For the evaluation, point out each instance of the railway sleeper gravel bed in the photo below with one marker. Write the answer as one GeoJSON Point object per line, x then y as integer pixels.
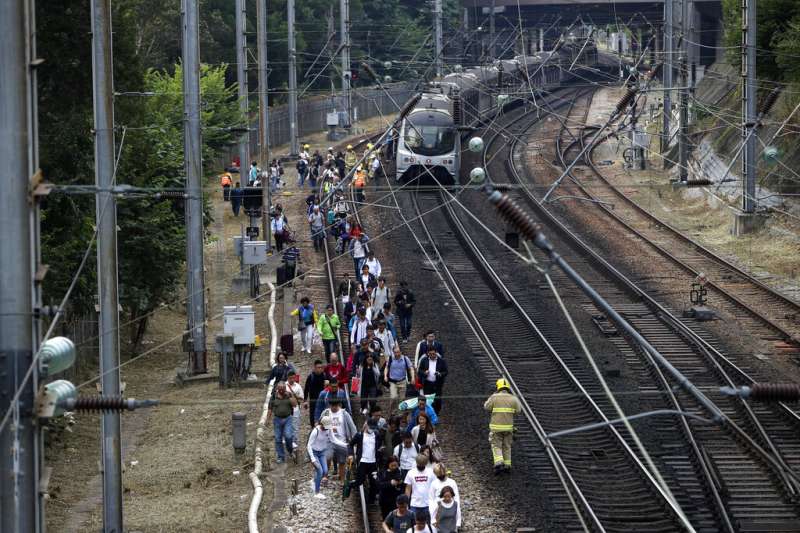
{"type": "Point", "coordinates": [781, 508]}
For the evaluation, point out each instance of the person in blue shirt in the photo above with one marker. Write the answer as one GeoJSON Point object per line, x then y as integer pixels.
{"type": "Point", "coordinates": [253, 176]}
{"type": "Point", "coordinates": [412, 419]}
{"type": "Point", "coordinates": [331, 391]}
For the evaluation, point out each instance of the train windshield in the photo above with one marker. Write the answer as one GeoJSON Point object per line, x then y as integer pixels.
{"type": "Point", "coordinates": [430, 140]}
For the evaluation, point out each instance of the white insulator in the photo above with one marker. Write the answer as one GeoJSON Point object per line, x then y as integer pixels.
{"type": "Point", "coordinates": [477, 175]}
{"type": "Point", "coordinates": [476, 144]}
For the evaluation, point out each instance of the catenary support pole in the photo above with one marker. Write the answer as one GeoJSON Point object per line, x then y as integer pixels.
{"type": "Point", "coordinates": [749, 105]}
{"type": "Point", "coordinates": [492, 48]}
{"type": "Point", "coordinates": [19, 440]}
{"type": "Point", "coordinates": [107, 287]}
{"type": "Point", "coordinates": [683, 117]}
{"type": "Point", "coordinates": [263, 116]}
{"type": "Point", "coordinates": [294, 145]}
{"type": "Point", "coordinates": [344, 14]}
{"type": "Point", "coordinates": [668, 71]}
{"type": "Point", "coordinates": [437, 23]}
{"type": "Point", "coordinates": [241, 79]}
{"type": "Point", "coordinates": [193, 162]}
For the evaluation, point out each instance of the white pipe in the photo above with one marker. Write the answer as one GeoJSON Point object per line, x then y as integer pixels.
{"type": "Point", "coordinates": [258, 465]}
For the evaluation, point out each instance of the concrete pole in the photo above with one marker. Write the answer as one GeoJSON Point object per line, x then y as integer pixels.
{"type": "Point", "coordinates": [541, 39]}
{"type": "Point", "coordinates": [668, 70]}
{"type": "Point", "coordinates": [107, 288]}
{"type": "Point", "coordinates": [749, 105]}
{"type": "Point", "coordinates": [437, 26]}
{"type": "Point", "coordinates": [263, 116]}
{"type": "Point", "coordinates": [19, 443]}
{"type": "Point", "coordinates": [294, 147]}
{"type": "Point", "coordinates": [193, 162]}
{"type": "Point", "coordinates": [241, 79]}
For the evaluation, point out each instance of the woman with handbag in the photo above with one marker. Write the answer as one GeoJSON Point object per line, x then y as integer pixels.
{"type": "Point", "coordinates": [280, 229]}
{"type": "Point", "coordinates": [424, 434]}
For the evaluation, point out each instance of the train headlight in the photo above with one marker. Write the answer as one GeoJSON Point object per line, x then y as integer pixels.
{"type": "Point", "coordinates": [476, 144]}
{"type": "Point", "coordinates": [477, 175]}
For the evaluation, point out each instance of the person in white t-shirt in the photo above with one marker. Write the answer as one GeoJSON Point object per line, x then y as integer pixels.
{"type": "Point", "coordinates": [295, 388]}
{"type": "Point", "coordinates": [418, 485]}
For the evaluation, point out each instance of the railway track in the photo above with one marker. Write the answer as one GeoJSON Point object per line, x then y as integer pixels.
{"type": "Point", "coordinates": [720, 477]}
{"type": "Point", "coordinates": [541, 374]}
{"type": "Point", "coordinates": [744, 488]}
{"type": "Point", "coordinates": [761, 310]}
{"type": "Point", "coordinates": [369, 515]}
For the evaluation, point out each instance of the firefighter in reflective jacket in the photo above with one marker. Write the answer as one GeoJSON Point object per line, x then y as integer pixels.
{"type": "Point", "coordinates": [350, 157]}
{"type": "Point", "coordinates": [503, 405]}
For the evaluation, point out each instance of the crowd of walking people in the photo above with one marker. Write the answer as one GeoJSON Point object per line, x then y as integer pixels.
{"type": "Point", "coordinates": [374, 400]}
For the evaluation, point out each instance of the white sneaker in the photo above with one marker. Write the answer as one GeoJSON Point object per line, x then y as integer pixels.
{"type": "Point", "coordinates": [320, 496]}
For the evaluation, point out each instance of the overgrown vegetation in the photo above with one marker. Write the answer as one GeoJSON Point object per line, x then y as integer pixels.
{"type": "Point", "coordinates": [777, 36]}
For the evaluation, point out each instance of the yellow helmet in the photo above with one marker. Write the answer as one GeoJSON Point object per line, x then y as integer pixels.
{"type": "Point", "coordinates": [369, 146]}
{"type": "Point", "coordinates": [349, 146]}
{"type": "Point", "coordinates": [503, 384]}
{"type": "Point", "coordinates": [306, 146]}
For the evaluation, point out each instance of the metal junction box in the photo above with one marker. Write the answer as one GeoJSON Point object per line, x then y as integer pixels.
{"type": "Point", "coordinates": [239, 321]}
{"type": "Point", "coordinates": [255, 252]}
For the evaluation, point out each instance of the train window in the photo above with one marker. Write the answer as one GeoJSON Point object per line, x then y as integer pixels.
{"type": "Point", "coordinates": [430, 140]}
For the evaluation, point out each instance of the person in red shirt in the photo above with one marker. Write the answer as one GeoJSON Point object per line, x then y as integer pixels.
{"type": "Point", "coordinates": [336, 370]}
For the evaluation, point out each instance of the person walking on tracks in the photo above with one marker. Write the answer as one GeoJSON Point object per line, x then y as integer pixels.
{"type": "Point", "coordinates": [503, 405]}
{"type": "Point", "coordinates": [404, 303]}
{"type": "Point", "coordinates": [327, 325]}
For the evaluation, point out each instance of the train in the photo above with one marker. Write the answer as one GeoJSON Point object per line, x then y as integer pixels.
{"type": "Point", "coordinates": [428, 139]}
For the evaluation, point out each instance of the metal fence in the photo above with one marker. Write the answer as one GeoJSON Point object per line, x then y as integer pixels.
{"type": "Point", "coordinates": [312, 113]}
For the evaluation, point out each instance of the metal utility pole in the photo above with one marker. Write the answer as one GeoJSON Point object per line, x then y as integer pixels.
{"type": "Point", "coordinates": [241, 79]}
{"type": "Point", "coordinates": [437, 17]}
{"type": "Point", "coordinates": [683, 118]}
{"type": "Point", "coordinates": [492, 48]}
{"type": "Point", "coordinates": [263, 117]}
{"type": "Point", "coordinates": [193, 162]}
{"type": "Point", "coordinates": [107, 288]}
{"type": "Point", "coordinates": [20, 458]}
{"type": "Point", "coordinates": [294, 147]}
{"type": "Point", "coordinates": [749, 105]}
{"type": "Point", "coordinates": [344, 13]}
{"type": "Point", "coordinates": [668, 70]}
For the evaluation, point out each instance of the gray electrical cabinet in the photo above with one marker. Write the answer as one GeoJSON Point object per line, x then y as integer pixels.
{"type": "Point", "coordinates": [240, 322]}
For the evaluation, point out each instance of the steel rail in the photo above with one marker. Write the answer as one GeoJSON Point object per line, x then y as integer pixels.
{"type": "Point", "coordinates": [776, 462]}
{"type": "Point", "coordinates": [565, 476]}
{"type": "Point", "coordinates": [701, 459]}
{"type": "Point", "coordinates": [712, 355]}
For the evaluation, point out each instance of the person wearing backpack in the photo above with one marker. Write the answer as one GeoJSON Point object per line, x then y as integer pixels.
{"type": "Point", "coordinates": [406, 452]}
{"type": "Point", "coordinates": [307, 317]}
{"type": "Point", "coordinates": [399, 372]}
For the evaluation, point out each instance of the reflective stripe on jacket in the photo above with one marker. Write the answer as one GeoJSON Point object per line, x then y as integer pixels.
{"type": "Point", "coordinates": [503, 405]}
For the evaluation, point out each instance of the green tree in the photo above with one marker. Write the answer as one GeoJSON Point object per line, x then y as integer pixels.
{"type": "Point", "coordinates": [152, 235]}
{"type": "Point", "coordinates": [774, 20]}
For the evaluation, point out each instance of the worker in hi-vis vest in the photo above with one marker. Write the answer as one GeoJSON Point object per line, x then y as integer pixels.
{"type": "Point", "coordinates": [503, 406]}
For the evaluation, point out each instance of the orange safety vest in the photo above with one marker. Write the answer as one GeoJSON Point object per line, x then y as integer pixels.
{"type": "Point", "coordinates": [359, 181]}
